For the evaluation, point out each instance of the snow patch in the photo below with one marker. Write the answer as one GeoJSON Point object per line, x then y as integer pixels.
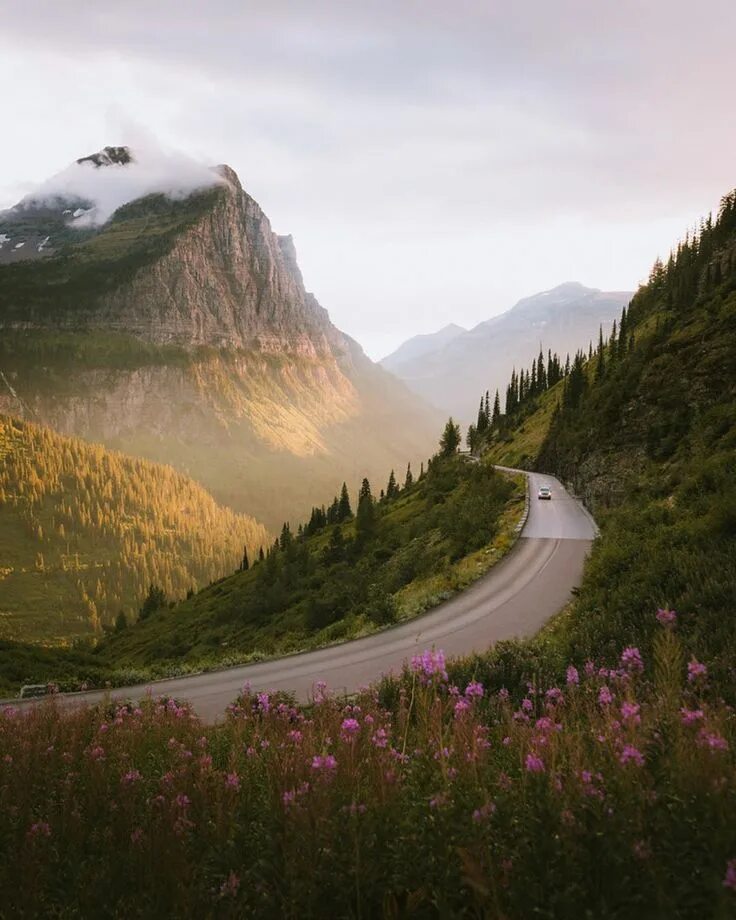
{"type": "Point", "coordinates": [3, 239]}
{"type": "Point", "coordinates": [19, 245]}
{"type": "Point", "coordinates": [43, 243]}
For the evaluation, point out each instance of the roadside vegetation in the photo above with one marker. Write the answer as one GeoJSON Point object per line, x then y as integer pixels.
{"type": "Point", "coordinates": [439, 793]}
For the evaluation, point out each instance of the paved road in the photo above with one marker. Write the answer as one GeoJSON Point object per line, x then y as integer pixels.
{"type": "Point", "coordinates": [514, 599]}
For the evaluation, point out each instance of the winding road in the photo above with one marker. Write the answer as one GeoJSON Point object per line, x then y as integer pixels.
{"type": "Point", "coordinates": [514, 599]}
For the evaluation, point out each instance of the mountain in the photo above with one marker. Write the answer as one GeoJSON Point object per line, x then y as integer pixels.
{"type": "Point", "coordinates": [85, 531]}
{"type": "Point", "coordinates": [176, 326]}
{"type": "Point", "coordinates": [419, 346]}
{"type": "Point", "coordinates": [453, 375]}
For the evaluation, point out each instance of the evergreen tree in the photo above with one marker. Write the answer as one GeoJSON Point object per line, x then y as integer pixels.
{"type": "Point", "coordinates": [284, 541]}
{"type": "Point", "coordinates": [245, 565]}
{"type": "Point", "coordinates": [613, 343]}
{"type": "Point", "coordinates": [450, 440]}
{"type": "Point", "coordinates": [261, 555]}
{"type": "Point", "coordinates": [600, 368]}
{"type": "Point", "coordinates": [409, 480]}
{"type": "Point", "coordinates": [541, 373]}
{"type": "Point", "coordinates": [365, 517]}
{"type": "Point", "coordinates": [344, 509]}
{"type": "Point", "coordinates": [471, 438]}
{"type": "Point", "coordinates": [421, 471]}
{"type": "Point", "coordinates": [482, 422]}
{"type": "Point", "coordinates": [392, 489]}
{"type": "Point", "coordinates": [496, 410]}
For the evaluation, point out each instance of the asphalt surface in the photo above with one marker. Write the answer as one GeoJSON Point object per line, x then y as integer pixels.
{"type": "Point", "coordinates": [514, 599]}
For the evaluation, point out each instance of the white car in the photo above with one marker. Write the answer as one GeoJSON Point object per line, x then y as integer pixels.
{"type": "Point", "coordinates": [545, 493]}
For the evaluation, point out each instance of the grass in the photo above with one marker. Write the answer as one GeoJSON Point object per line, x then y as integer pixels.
{"type": "Point", "coordinates": [434, 794]}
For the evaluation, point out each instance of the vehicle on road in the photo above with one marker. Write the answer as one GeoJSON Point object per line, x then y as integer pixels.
{"type": "Point", "coordinates": [545, 493]}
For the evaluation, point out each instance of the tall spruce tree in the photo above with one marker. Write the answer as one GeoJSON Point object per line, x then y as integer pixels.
{"type": "Point", "coordinates": [365, 517]}
{"type": "Point", "coordinates": [344, 512]}
{"type": "Point", "coordinates": [245, 565]}
{"type": "Point", "coordinates": [409, 479]}
{"type": "Point", "coordinates": [392, 489]}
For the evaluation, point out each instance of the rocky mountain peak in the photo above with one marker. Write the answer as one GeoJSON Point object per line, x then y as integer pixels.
{"type": "Point", "coordinates": [109, 156]}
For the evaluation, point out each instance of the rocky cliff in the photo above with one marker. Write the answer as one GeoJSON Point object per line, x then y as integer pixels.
{"type": "Point", "coordinates": [180, 329]}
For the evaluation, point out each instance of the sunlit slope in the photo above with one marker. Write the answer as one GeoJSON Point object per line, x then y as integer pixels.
{"type": "Point", "coordinates": [84, 531]}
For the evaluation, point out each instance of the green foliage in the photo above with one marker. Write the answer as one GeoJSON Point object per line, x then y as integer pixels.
{"type": "Point", "coordinates": [450, 440]}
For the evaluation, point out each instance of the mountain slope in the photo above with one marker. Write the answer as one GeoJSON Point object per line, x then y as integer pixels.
{"type": "Point", "coordinates": [85, 531]}
{"type": "Point", "coordinates": [563, 319]}
{"type": "Point", "coordinates": [650, 443]}
{"type": "Point", "coordinates": [180, 329]}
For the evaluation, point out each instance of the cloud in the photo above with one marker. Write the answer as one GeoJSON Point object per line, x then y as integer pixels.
{"type": "Point", "coordinates": [107, 187]}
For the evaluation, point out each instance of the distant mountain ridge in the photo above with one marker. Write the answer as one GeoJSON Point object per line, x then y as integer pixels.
{"type": "Point", "coordinates": [421, 345]}
{"type": "Point", "coordinates": [563, 319]}
{"type": "Point", "coordinates": [180, 330]}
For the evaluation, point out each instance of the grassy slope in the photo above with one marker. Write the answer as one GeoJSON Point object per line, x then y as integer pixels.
{"type": "Point", "coordinates": [434, 539]}
{"type": "Point", "coordinates": [84, 531]}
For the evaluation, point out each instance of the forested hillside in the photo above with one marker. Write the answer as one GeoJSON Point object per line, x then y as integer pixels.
{"type": "Point", "coordinates": [85, 531]}
{"type": "Point", "coordinates": [644, 429]}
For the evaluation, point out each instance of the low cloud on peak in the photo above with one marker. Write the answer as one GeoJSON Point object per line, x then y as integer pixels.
{"type": "Point", "coordinates": [106, 183]}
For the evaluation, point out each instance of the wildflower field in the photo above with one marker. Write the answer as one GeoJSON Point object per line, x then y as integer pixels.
{"type": "Point", "coordinates": [611, 795]}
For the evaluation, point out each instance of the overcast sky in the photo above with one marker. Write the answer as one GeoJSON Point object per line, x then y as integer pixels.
{"type": "Point", "coordinates": [434, 161]}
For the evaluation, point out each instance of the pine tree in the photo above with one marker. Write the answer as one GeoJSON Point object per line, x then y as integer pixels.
{"type": "Point", "coordinates": [344, 510]}
{"type": "Point", "coordinates": [450, 440]}
{"type": "Point", "coordinates": [261, 555]}
{"type": "Point", "coordinates": [365, 515]}
{"type": "Point", "coordinates": [496, 410]}
{"type": "Point", "coordinates": [409, 480]}
{"type": "Point", "coordinates": [245, 565]}
{"type": "Point", "coordinates": [422, 474]}
{"type": "Point", "coordinates": [482, 422]}
{"type": "Point", "coordinates": [600, 368]}
{"type": "Point", "coordinates": [392, 489]}
{"type": "Point", "coordinates": [541, 373]}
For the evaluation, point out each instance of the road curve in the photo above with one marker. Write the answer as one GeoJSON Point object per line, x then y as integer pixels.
{"type": "Point", "coordinates": [514, 599]}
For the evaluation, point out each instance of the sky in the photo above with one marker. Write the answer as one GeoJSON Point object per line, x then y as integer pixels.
{"type": "Point", "coordinates": [434, 161]}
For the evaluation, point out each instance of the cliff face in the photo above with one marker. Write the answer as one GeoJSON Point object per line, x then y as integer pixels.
{"type": "Point", "coordinates": [181, 330]}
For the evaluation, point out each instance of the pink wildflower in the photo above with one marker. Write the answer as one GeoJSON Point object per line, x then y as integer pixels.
{"type": "Point", "coordinates": [132, 776]}
{"type": "Point", "coordinates": [429, 665]}
{"type": "Point", "coordinates": [730, 878]}
{"type": "Point", "coordinates": [573, 678]}
{"type": "Point", "coordinates": [631, 659]}
{"type": "Point", "coordinates": [349, 729]}
{"type": "Point", "coordinates": [136, 835]}
{"type": "Point", "coordinates": [630, 754]}
{"type": "Point", "coordinates": [97, 753]}
{"type": "Point", "coordinates": [630, 712]}
{"type": "Point", "coordinates": [264, 702]}
{"type": "Point", "coordinates": [461, 707]}
{"type": "Point", "coordinates": [605, 697]}
{"type": "Point", "coordinates": [474, 690]}
{"type": "Point", "coordinates": [380, 738]}
{"type": "Point", "coordinates": [40, 829]}
{"type": "Point", "coordinates": [534, 764]}
{"type": "Point", "coordinates": [232, 781]}
{"type": "Point", "coordinates": [527, 705]}
{"type": "Point", "coordinates": [696, 670]}
{"type": "Point", "coordinates": [712, 740]}
{"type": "Point", "coordinates": [667, 617]}
{"type": "Point", "coordinates": [325, 764]}
{"type": "Point", "coordinates": [554, 696]}
{"type": "Point", "coordinates": [690, 716]}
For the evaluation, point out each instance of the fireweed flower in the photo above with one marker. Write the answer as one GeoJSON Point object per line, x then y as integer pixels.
{"type": "Point", "coordinates": [605, 697]}
{"type": "Point", "coordinates": [264, 702]}
{"type": "Point", "coordinates": [696, 670]}
{"type": "Point", "coordinates": [729, 880]}
{"type": "Point", "coordinates": [534, 764]}
{"type": "Point", "coordinates": [380, 738]}
{"type": "Point", "coordinates": [554, 696]}
{"type": "Point", "coordinates": [527, 705]}
{"type": "Point", "coordinates": [461, 707]}
{"type": "Point", "coordinates": [484, 812]}
{"type": "Point", "coordinates": [589, 668]}
{"type": "Point", "coordinates": [429, 665]}
{"type": "Point", "coordinates": [232, 781]}
{"type": "Point", "coordinates": [631, 659]}
{"type": "Point", "coordinates": [40, 829]}
{"type": "Point", "coordinates": [325, 764]}
{"type": "Point", "coordinates": [630, 713]}
{"type": "Point", "coordinates": [132, 776]}
{"type": "Point", "coordinates": [630, 754]}
{"type": "Point", "coordinates": [349, 729]}
{"type": "Point", "coordinates": [712, 740]}
{"type": "Point", "coordinates": [690, 716]}
{"type": "Point", "coordinates": [666, 617]}
{"type": "Point", "coordinates": [474, 690]}
{"type": "Point", "coordinates": [573, 678]}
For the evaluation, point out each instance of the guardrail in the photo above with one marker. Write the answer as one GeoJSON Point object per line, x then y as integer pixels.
{"type": "Point", "coordinates": [527, 501]}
